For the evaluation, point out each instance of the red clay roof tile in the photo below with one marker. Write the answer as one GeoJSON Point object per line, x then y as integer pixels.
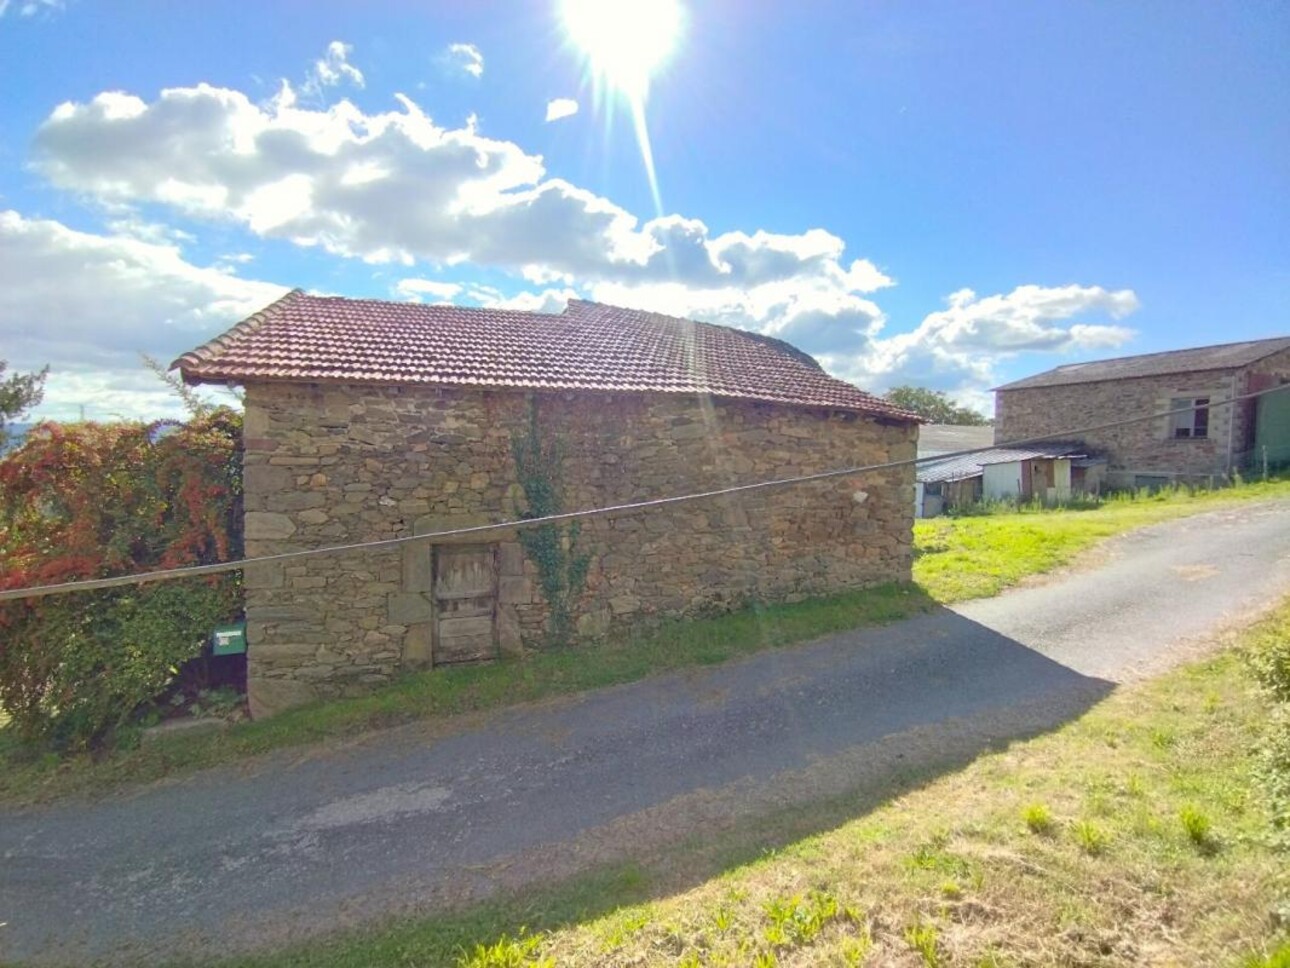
{"type": "Point", "coordinates": [303, 338]}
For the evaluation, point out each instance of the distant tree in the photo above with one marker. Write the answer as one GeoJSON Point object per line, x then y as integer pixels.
{"type": "Point", "coordinates": [18, 394]}
{"type": "Point", "coordinates": [935, 406]}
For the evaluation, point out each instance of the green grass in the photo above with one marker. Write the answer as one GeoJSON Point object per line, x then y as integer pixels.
{"type": "Point", "coordinates": [1198, 827]}
{"type": "Point", "coordinates": [974, 557]}
{"type": "Point", "coordinates": [1280, 958]}
{"type": "Point", "coordinates": [863, 879]}
{"type": "Point", "coordinates": [956, 559]}
{"type": "Point", "coordinates": [461, 689]}
{"type": "Point", "coordinates": [1038, 818]}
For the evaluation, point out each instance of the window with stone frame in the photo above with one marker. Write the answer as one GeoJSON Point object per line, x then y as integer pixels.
{"type": "Point", "coordinates": [1192, 424]}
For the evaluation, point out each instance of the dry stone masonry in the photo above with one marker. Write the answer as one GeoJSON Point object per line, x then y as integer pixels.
{"type": "Point", "coordinates": [369, 420]}
{"type": "Point", "coordinates": [332, 464]}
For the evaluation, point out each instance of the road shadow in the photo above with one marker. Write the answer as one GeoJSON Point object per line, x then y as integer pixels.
{"type": "Point", "coordinates": [830, 731]}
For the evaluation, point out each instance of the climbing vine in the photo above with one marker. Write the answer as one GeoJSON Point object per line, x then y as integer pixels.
{"type": "Point", "coordinates": [553, 548]}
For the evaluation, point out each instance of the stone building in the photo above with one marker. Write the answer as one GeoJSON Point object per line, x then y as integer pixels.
{"type": "Point", "coordinates": [370, 420]}
{"type": "Point", "coordinates": [1211, 442]}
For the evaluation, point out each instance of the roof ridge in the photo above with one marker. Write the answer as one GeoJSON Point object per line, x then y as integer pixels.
{"type": "Point", "coordinates": [1069, 367]}
{"type": "Point", "coordinates": [1181, 349]}
{"type": "Point", "coordinates": [764, 339]}
{"type": "Point", "coordinates": [587, 346]}
{"type": "Point", "coordinates": [1275, 343]}
{"type": "Point", "coordinates": [243, 328]}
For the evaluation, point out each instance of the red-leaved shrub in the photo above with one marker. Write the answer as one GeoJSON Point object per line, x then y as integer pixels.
{"type": "Point", "coordinates": [87, 500]}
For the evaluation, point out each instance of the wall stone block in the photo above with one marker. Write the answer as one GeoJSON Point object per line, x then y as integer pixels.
{"type": "Point", "coordinates": [348, 464]}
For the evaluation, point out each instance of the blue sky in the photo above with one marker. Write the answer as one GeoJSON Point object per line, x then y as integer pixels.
{"type": "Point", "coordinates": [940, 193]}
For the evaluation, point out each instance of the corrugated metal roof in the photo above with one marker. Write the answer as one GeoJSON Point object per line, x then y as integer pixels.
{"type": "Point", "coordinates": [1225, 356]}
{"type": "Point", "coordinates": [970, 465]}
{"type": "Point", "coordinates": [950, 469]}
{"type": "Point", "coordinates": [304, 338]}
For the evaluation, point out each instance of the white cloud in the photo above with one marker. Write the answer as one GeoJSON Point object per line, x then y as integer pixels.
{"type": "Point", "coordinates": [815, 314]}
{"type": "Point", "coordinates": [131, 224]}
{"type": "Point", "coordinates": [89, 304]}
{"type": "Point", "coordinates": [959, 348]}
{"type": "Point", "coordinates": [561, 107]}
{"type": "Point", "coordinates": [332, 69]}
{"type": "Point", "coordinates": [414, 290]}
{"type": "Point", "coordinates": [29, 8]}
{"type": "Point", "coordinates": [466, 57]}
{"type": "Point", "coordinates": [547, 301]}
{"type": "Point", "coordinates": [396, 187]}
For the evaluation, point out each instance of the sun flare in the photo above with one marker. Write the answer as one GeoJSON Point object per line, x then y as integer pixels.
{"type": "Point", "coordinates": [625, 42]}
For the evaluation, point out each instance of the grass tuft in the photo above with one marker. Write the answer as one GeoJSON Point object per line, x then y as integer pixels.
{"type": "Point", "coordinates": [1039, 819]}
{"type": "Point", "coordinates": [1198, 827]}
{"type": "Point", "coordinates": [506, 952]}
{"type": "Point", "coordinates": [922, 937]}
{"type": "Point", "coordinates": [1091, 838]}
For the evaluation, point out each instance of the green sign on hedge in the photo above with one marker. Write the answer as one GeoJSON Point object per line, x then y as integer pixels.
{"type": "Point", "coordinates": [229, 639]}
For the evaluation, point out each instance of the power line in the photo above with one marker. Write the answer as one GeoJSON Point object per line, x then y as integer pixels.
{"type": "Point", "coordinates": [195, 571]}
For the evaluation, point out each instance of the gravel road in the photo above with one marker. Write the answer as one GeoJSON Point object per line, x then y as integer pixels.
{"type": "Point", "coordinates": [299, 843]}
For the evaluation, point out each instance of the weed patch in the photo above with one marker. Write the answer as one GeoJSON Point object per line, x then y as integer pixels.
{"type": "Point", "coordinates": [924, 938]}
{"type": "Point", "coordinates": [506, 952]}
{"type": "Point", "coordinates": [1039, 819]}
{"type": "Point", "coordinates": [1198, 828]}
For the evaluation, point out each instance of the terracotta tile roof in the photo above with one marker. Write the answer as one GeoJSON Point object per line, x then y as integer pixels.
{"type": "Point", "coordinates": [1226, 356]}
{"type": "Point", "coordinates": [587, 347]}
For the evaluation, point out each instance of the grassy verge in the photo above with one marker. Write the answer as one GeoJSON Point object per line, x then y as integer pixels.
{"type": "Point", "coordinates": [1136, 834]}
{"type": "Point", "coordinates": [463, 689]}
{"type": "Point", "coordinates": [957, 559]}
{"type": "Point", "coordinates": [975, 557]}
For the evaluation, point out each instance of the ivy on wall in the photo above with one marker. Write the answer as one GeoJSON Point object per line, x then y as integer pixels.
{"type": "Point", "coordinates": [553, 548]}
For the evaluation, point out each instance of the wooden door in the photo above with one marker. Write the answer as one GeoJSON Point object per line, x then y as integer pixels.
{"type": "Point", "coordinates": [1041, 479]}
{"type": "Point", "coordinates": [465, 599]}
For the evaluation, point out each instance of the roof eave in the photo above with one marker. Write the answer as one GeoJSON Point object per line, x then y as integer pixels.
{"type": "Point", "coordinates": [212, 347]}
{"type": "Point", "coordinates": [242, 379]}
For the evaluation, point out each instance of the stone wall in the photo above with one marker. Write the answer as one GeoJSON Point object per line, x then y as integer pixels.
{"type": "Point", "coordinates": [1143, 449]}
{"type": "Point", "coordinates": [331, 464]}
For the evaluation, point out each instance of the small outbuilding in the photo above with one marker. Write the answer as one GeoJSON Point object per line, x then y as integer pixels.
{"type": "Point", "coordinates": [369, 420]}
{"type": "Point", "coordinates": [940, 485]}
{"type": "Point", "coordinates": [1047, 473]}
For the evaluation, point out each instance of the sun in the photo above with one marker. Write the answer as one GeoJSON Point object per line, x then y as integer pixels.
{"type": "Point", "coordinates": [625, 41]}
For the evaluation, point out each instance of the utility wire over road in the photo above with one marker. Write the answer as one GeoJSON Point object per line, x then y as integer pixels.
{"type": "Point", "coordinates": [193, 571]}
{"type": "Point", "coordinates": [428, 818]}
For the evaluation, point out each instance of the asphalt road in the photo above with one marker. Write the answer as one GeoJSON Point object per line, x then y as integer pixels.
{"type": "Point", "coordinates": [299, 843]}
